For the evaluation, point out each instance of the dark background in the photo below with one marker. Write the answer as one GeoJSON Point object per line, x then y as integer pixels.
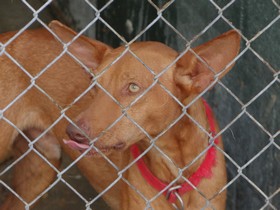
{"type": "Point", "coordinates": [253, 171]}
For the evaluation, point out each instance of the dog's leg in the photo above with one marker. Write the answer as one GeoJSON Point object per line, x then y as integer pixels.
{"type": "Point", "coordinates": [32, 175]}
{"type": "Point", "coordinates": [7, 132]}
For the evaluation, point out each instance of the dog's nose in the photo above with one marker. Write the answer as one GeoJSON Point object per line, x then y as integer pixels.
{"type": "Point", "coordinates": [77, 134]}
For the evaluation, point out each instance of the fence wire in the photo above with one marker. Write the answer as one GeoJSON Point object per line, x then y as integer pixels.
{"type": "Point", "coordinates": [88, 202]}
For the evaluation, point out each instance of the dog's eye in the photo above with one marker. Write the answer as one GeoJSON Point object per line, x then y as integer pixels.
{"type": "Point", "coordinates": [133, 88]}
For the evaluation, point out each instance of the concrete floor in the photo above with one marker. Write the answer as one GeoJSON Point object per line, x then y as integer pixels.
{"type": "Point", "coordinates": [13, 16]}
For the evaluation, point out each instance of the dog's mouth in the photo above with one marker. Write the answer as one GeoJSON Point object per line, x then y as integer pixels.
{"type": "Point", "coordinates": [82, 147]}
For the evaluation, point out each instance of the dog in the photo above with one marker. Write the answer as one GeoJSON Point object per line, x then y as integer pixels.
{"type": "Point", "coordinates": [131, 112]}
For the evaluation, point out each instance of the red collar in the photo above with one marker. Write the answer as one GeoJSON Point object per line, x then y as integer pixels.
{"type": "Point", "coordinates": [204, 170]}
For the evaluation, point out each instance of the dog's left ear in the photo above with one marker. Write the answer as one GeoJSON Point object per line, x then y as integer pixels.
{"type": "Point", "coordinates": [88, 51]}
{"type": "Point", "coordinates": [193, 75]}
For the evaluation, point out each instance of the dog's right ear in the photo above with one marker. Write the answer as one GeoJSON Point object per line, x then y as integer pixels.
{"type": "Point", "coordinates": [89, 52]}
{"type": "Point", "coordinates": [194, 75]}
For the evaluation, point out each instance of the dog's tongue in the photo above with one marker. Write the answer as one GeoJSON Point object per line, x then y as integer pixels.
{"type": "Point", "coordinates": [75, 145]}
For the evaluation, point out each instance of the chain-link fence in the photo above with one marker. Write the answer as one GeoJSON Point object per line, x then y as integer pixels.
{"type": "Point", "coordinates": [245, 102]}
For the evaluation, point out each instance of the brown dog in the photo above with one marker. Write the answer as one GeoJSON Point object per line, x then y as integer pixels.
{"type": "Point", "coordinates": [142, 106]}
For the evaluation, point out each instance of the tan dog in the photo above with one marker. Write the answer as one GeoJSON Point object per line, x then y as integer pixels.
{"type": "Point", "coordinates": [115, 120]}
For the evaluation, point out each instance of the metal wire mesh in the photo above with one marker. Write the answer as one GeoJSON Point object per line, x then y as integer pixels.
{"type": "Point", "coordinates": [188, 43]}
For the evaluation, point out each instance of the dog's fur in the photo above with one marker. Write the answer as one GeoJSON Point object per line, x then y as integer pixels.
{"type": "Point", "coordinates": [34, 111]}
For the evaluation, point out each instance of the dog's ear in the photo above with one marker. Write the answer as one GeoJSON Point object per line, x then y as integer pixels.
{"type": "Point", "coordinates": [88, 51]}
{"type": "Point", "coordinates": [193, 75]}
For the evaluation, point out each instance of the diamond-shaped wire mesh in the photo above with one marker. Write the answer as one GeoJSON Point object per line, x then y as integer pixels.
{"type": "Point", "coordinates": [245, 102]}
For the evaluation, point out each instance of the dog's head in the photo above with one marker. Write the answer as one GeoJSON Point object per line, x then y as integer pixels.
{"type": "Point", "coordinates": [138, 87]}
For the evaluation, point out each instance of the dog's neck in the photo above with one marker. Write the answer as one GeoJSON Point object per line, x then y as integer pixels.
{"type": "Point", "coordinates": [181, 144]}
